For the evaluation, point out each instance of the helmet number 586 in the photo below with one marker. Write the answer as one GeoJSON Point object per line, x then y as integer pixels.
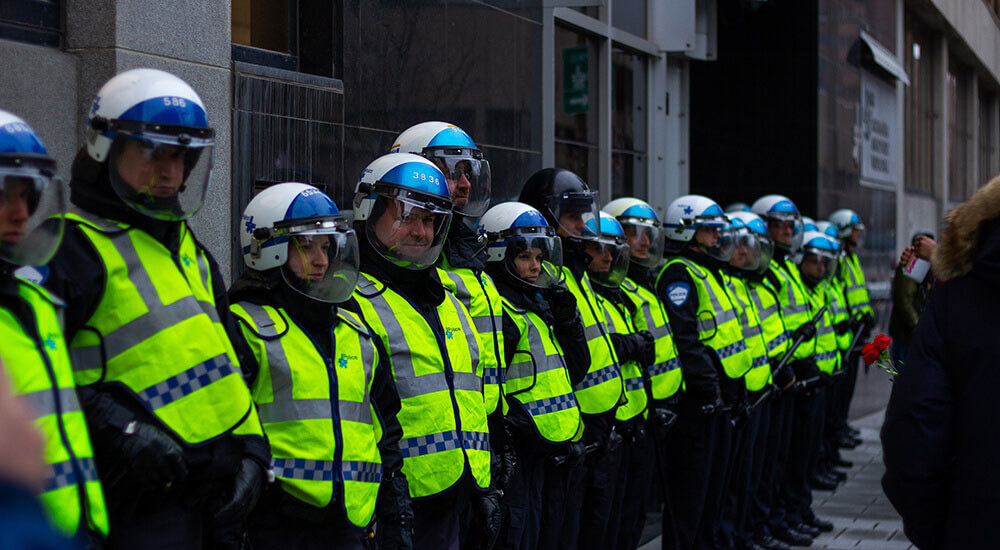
{"type": "Point", "coordinates": [174, 102]}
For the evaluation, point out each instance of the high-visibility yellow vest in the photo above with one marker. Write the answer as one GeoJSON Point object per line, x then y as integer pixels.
{"type": "Point", "coordinates": [760, 369]}
{"type": "Point", "coordinates": [316, 409]}
{"type": "Point", "coordinates": [718, 320]}
{"type": "Point", "coordinates": [841, 313]}
{"type": "Point", "coordinates": [665, 373]}
{"type": "Point", "coordinates": [440, 384]}
{"type": "Point", "coordinates": [855, 288]}
{"type": "Point", "coordinates": [36, 358]}
{"type": "Point", "coordinates": [771, 323]}
{"type": "Point", "coordinates": [479, 295]}
{"type": "Point", "coordinates": [537, 379]}
{"type": "Point", "coordinates": [157, 333]}
{"type": "Point", "coordinates": [795, 304]}
{"type": "Point", "coordinates": [603, 388]}
{"type": "Point", "coordinates": [619, 321]}
{"type": "Point", "coordinates": [827, 352]}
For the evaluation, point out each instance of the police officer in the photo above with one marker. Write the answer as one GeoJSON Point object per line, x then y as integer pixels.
{"type": "Point", "coordinates": [34, 350]}
{"type": "Point", "coordinates": [784, 224]}
{"type": "Point", "coordinates": [402, 206]}
{"type": "Point", "coordinates": [324, 395]}
{"type": "Point", "coordinates": [852, 279]}
{"type": "Point", "coordinates": [714, 358]}
{"type": "Point", "coordinates": [177, 439]}
{"type": "Point", "coordinates": [567, 204]}
{"type": "Point", "coordinates": [547, 353]}
{"type": "Point", "coordinates": [462, 263]}
{"type": "Point", "coordinates": [636, 351]}
{"type": "Point", "coordinates": [644, 235]}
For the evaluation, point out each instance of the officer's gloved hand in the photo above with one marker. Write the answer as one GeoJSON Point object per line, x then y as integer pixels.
{"type": "Point", "coordinates": [575, 454]}
{"type": "Point", "coordinates": [868, 321]}
{"type": "Point", "coordinates": [613, 440]}
{"type": "Point", "coordinates": [505, 461]}
{"type": "Point", "coordinates": [395, 513]}
{"type": "Point", "coordinates": [563, 304]}
{"type": "Point", "coordinates": [664, 418]}
{"type": "Point", "coordinates": [842, 327]}
{"type": "Point", "coordinates": [784, 378]}
{"type": "Point", "coordinates": [648, 351]}
{"type": "Point", "coordinates": [806, 332]}
{"type": "Point", "coordinates": [151, 456]}
{"type": "Point", "coordinates": [708, 405]}
{"type": "Point", "coordinates": [247, 485]}
{"type": "Point", "coordinates": [489, 516]}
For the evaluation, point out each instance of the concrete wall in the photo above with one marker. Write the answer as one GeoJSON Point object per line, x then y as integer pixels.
{"type": "Point", "coordinates": [973, 21]}
{"type": "Point", "coordinates": [920, 214]}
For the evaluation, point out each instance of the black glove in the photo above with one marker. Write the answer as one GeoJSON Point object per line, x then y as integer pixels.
{"type": "Point", "coordinates": [489, 517]}
{"type": "Point", "coordinates": [648, 351]}
{"type": "Point", "coordinates": [708, 405]}
{"type": "Point", "coordinates": [613, 440]}
{"type": "Point", "coordinates": [806, 331]}
{"type": "Point", "coordinates": [856, 324]}
{"type": "Point", "coordinates": [664, 419]}
{"type": "Point", "coordinates": [503, 466]}
{"type": "Point", "coordinates": [842, 327]}
{"type": "Point", "coordinates": [395, 513]}
{"type": "Point", "coordinates": [563, 304]}
{"type": "Point", "coordinates": [247, 484]}
{"type": "Point", "coordinates": [150, 456]}
{"type": "Point", "coordinates": [632, 347]}
{"type": "Point", "coordinates": [575, 454]}
{"type": "Point", "coordinates": [784, 378]}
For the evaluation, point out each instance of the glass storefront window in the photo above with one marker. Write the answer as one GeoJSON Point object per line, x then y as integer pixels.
{"type": "Point", "coordinates": [628, 124]}
{"type": "Point", "coordinates": [261, 25]}
{"type": "Point", "coordinates": [576, 126]}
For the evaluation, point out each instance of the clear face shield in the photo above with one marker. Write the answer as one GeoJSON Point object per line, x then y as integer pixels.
{"type": "Point", "coordinates": [31, 214]}
{"type": "Point", "coordinates": [407, 227]}
{"type": "Point", "coordinates": [747, 253]}
{"type": "Point", "coordinates": [468, 176]}
{"type": "Point", "coordinates": [857, 236]}
{"type": "Point", "coordinates": [786, 230]}
{"type": "Point", "coordinates": [714, 235]}
{"type": "Point", "coordinates": [160, 170]}
{"type": "Point", "coordinates": [766, 252]}
{"type": "Point", "coordinates": [323, 261]}
{"type": "Point", "coordinates": [572, 211]}
{"type": "Point", "coordinates": [609, 257]}
{"type": "Point", "coordinates": [817, 265]}
{"type": "Point", "coordinates": [645, 240]}
{"type": "Point", "coordinates": [533, 255]}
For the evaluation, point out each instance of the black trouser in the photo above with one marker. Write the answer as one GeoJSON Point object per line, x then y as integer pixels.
{"type": "Point", "coordinates": [783, 417]}
{"type": "Point", "coordinates": [696, 452]}
{"type": "Point", "coordinates": [562, 497]}
{"type": "Point", "coordinates": [806, 435]}
{"type": "Point", "coordinates": [640, 467]}
{"type": "Point", "coordinates": [764, 473]}
{"type": "Point", "coordinates": [846, 391]}
{"type": "Point", "coordinates": [587, 528]}
{"type": "Point", "coordinates": [278, 522]}
{"type": "Point", "coordinates": [746, 467]}
{"type": "Point", "coordinates": [437, 520]}
{"type": "Point", "coordinates": [522, 501]}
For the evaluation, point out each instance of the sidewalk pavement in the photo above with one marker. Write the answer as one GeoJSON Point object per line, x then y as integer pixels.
{"type": "Point", "coordinates": [862, 517]}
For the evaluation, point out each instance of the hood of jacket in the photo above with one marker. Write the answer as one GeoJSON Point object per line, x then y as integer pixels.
{"type": "Point", "coordinates": [971, 237]}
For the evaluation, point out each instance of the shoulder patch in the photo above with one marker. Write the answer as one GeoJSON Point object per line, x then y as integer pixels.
{"type": "Point", "coordinates": [34, 274]}
{"type": "Point", "coordinates": [678, 293]}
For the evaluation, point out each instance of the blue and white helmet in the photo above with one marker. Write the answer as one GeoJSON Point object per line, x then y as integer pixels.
{"type": "Point", "coordinates": [31, 196]}
{"type": "Point", "coordinates": [609, 253]}
{"type": "Point", "coordinates": [760, 250]}
{"type": "Point", "coordinates": [519, 237]}
{"type": "Point", "coordinates": [781, 214]}
{"type": "Point", "coordinates": [324, 262]}
{"type": "Point", "coordinates": [847, 221]}
{"type": "Point", "coordinates": [821, 251]}
{"type": "Point", "coordinates": [737, 207]}
{"type": "Point", "coordinates": [827, 228]}
{"type": "Point", "coordinates": [689, 213]}
{"type": "Point", "coordinates": [458, 157]}
{"type": "Point", "coordinates": [152, 130]}
{"type": "Point", "coordinates": [404, 203]}
{"type": "Point", "coordinates": [808, 224]}
{"type": "Point", "coordinates": [642, 229]}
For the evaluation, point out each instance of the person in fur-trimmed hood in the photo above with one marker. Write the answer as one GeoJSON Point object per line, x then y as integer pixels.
{"type": "Point", "coordinates": [940, 438]}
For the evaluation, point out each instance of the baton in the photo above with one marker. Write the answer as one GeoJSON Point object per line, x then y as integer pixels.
{"type": "Point", "coordinates": [764, 395]}
{"type": "Point", "coordinates": [560, 460]}
{"type": "Point", "coordinates": [798, 341]}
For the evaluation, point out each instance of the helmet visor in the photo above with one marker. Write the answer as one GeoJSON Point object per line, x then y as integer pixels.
{"type": "Point", "coordinates": [163, 176]}
{"type": "Point", "coordinates": [746, 250]}
{"type": "Point", "coordinates": [715, 239]}
{"type": "Point", "coordinates": [468, 177]}
{"type": "Point", "coordinates": [31, 215]}
{"type": "Point", "coordinates": [409, 229]}
{"type": "Point", "coordinates": [766, 252]}
{"type": "Point", "coordinates": [533, 255]}
{"type": "Point", "coordinates": [609, 259]}
{"type": "Point", "coordinates": [645, 239]}
{"type": "Point", "coordinates": [786, 230]}
{"type": "Point", "coordinates": [572, 210]}
{"type": "Point", "coordinates": [857, 234]}
{"type": "Point", "coordinates": [323, 260]}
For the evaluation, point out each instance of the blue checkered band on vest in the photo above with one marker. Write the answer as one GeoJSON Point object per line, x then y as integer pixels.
{"type": "Point", "coordinates": [368, 472]}
{"type": "Point", "coordinates": [187, 382]}
{"type": "Point", "coordinates": [427, 444]}
{"type": "Point", "coordinates": [732, 349]}
{"type": "Point", "coordinates": [827, 355]}
{"type": "Point", "coordinates": [551, 404]}
{"type": "Point", "coordinates": [300, 468]}
{"type": "Point", "coordinates": [477, 441]}
{"type": "Point", "coordinates": [62, 474]}
{"type": "Point", "coordinates": [666, 366]}
{"type": "Point", "coordinates": [633, 384]}
{"type": "Point", "coordinates": [598, 377]}
{"type": "Point", "coordinates": [759, 362]}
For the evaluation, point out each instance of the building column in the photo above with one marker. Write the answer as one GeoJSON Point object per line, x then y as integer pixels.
{"type": "Point", "coordinates": [941, 126]}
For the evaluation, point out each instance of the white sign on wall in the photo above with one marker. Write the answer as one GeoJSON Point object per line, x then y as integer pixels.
{"type": "Point", "coordinates": [879, 130]}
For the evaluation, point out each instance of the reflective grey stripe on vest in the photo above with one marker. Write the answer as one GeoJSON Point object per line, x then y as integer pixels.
{"type": "Point", "coordinates": [793, 305]}
{"type": "Point", "coordinates": [62, 474]}
{"type": "Point", "coordinates": [407, 383]}
{"type": "Point", "coordinates": [147, 325]}
{"type": "Point", "coordinates": [751, 330]}
{"type": "Point", "coordinates": [593, 332]}
{"type": "Point", "coordinates": [43, 402]}
{"type": "Point", "coordinates": [551, 404]}
{"type": "Point", "coordinates": [304, 469]}
{"type": "Point", "coordinates": [732, 349]}
{"type": "Point", "coordinates": [599, 376]}
{"type": "Point", "coordinates": [665, 367]}
{"type": "Point", "coordinates": [633, 384]}
{"type": "Point", "coordinates": [524, 369]}
{"type": "Point", "coordinates": [366, 472]}
{"type": "Point", "coordinates": [284, 406]}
